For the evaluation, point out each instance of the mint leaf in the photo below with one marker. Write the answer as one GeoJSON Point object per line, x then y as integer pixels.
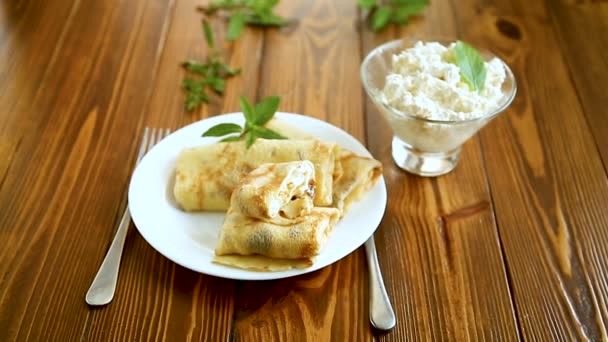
{"type": "Point", "coordinates": [208, 33]}
{"type": "Point", "coordinates": [265, 109]}
{"type": "Point", "coordinates": [248, 110]}
{"type": "Point", "coordinates": [382, 13]}
{"type": "Point", "coordinates": [266, 133]}
{"type": "Point", "coordinates": [212, 72]}
{"type": "Point", "coordinates": [249, 139]}
{"type": "Point", "coordinates": [195, 94]}
{"type": "Point", "coordinates": [399, 19]}
{"type": "Point", "coordinates": [195, 67]}
{"type": "Point", "coordinates": [231, 138]}
{"type": "Point", "coordinates": [472, 66]}
{"type": "Point", "coordinates": [409, 2]}
{"type": "Point", "coordinates": [193, 100]}
{"type": "Point", "coordinates": [366, 4]}
{"type": "Point", "coordinates": [381, 18]}
{"type": "Point", "coordinates": [254, 119]}
{"type": "Point", "coordinates": [259, 5]}
{"type": "Point", "coordinates": [222, 129]}
{"type": "Point", "coordinates": [217, 84]}
{"type": "Point", "coordinates": [191, 85]}
{"type": "Point", "coordinates": [409, 10]}
{"type": "Point", "coordinates": [227, 70]}
{"type": "Point", "coordinates": [236, 26]}
{"type": "Point", "coordinates": [266, 19]}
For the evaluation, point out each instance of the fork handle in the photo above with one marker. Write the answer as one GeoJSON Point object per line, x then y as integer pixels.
{"type": "Point", "coordinates": [381, 313]}
{"type": "Point", "coordinates": [102, 289]}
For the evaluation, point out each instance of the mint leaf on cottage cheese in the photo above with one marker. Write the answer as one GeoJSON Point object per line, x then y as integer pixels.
{"type": "Point", "coordinates": [425, 82]}
{"type": "Point", "coordinates": [472, 67]}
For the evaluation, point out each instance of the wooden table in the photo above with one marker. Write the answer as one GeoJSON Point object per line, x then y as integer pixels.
{"type": "Point", "coordinates": [511, 245]}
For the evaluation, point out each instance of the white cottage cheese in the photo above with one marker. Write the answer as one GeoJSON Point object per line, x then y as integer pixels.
{"type": "Point", "coordinates": [425, 84]}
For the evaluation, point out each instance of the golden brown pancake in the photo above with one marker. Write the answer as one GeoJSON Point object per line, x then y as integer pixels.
{"type": "Point", "coordinates": [353, 175]}
{"type": "Point", "coordinates": [205, 176]}
{"type": "Point", "coordinates": [271, 223]}
{"type": "Point", "coordinates": [276, 193]}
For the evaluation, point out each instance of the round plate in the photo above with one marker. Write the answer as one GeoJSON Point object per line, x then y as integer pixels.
{"type": "Point", "coordinates": [189, 239]}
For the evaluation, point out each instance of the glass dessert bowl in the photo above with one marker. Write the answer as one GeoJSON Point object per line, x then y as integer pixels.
{"type": "Point", "coordinates": [421, 145]}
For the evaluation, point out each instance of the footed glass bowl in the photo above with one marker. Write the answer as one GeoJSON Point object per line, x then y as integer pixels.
{"type": "Point", "coordinates": [421, 146]}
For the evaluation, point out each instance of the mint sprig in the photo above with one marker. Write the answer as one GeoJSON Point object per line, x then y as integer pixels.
{"type": "Point", "coordinates": [255, 119]}
{"type": "Point", "coordinates": [246, 12]}
{"type": "Point", "coordinates": [211, 74]}
{"type": "Point", "coordinates": [472, 66]}
{"type": "Point", "coordinates": [382, 13]}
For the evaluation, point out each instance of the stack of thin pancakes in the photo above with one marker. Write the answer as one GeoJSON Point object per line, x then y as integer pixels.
{"type": "Point", "coordinates": [207, 176]}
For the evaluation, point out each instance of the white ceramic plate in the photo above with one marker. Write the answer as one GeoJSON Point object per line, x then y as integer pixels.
{"type": "Point", "coordinates": [189, 239]}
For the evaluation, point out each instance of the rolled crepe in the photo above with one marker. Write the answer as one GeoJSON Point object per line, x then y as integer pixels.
{"type": "Point", "coordinates": [206, 176]}
{"type": "Point", "coordinates": [249, 243]}
{"type": "Point", "coordinates": [353, 175]}
{"type": "Point", "coordinates": [276, 193]}
{"type": "Point", "coordinates": [358, 177]}
{"type": "Point", "coordinates": [271, 224]}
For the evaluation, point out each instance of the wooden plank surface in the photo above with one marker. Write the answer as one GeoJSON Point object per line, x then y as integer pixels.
{"type": "Point", "coordinates": [57, 205]}
{"type": "Point", "coordinates": [180, 304]}
{"type": "Point", "coordinates": [587, 64]}
{"type": "Point", "coordinates": [314, 69]}
{"type": "Point", "coordinates": [546, 177]}
{"type": "Point", "coordinates": [25, 66]}
{"type": "Point", "coordinates": [438, 244]}
{"type": "Point", "coordinates": [511, 245]}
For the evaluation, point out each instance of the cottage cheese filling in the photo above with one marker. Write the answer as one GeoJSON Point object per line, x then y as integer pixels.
{"type": "Point", "coordinates": [424, 83]}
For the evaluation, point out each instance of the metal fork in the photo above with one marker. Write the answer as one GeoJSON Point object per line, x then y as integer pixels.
{"type": "Point", "coordinates": [103, 287]}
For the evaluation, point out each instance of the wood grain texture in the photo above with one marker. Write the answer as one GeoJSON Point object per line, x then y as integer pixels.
{"type": "Point", "coordinates": [31, 42]}
{"type": "Point", "coordinates": [438, 243]}
{"type": "Point", "coordinates": [586, 59]}
{"type": "Point", "coordinates": [176, 303]}
{"type": "Point", "coordinates": [315, 69]}
{"type": "Point", "coordinates": [547, 179]}
{"type": "Point", "coordinates": [511, 245]}
{"type": "Point", "coordinates": [58, 206]}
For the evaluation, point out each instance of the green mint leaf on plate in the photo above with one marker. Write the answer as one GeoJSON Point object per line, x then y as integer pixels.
{"type": "Point", "coordinates": [231, 138]}
{"type": "Point", "coordinates": [381, 18]}
{"type": "Point", "coordinates": [472, 66]}
{"type": "Point", "coordinates": [265, 109]}
{"type": "Point", "coordinates": [236, 25]}
{"type": "Point", "coordinates": [255, 118]}
{"type": "Point", "coordinates": [266, 133]}
{"type": "Point", "coordinates": [208, 33]}
{"type": "Point", "coordinates": [248, 110]}
{"type": "Point", "coordinates": [249, 139]}
{"type": "Point", "coordinates": [222, 129]}
{"type": "Point", "coordinates": [366, 4]}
